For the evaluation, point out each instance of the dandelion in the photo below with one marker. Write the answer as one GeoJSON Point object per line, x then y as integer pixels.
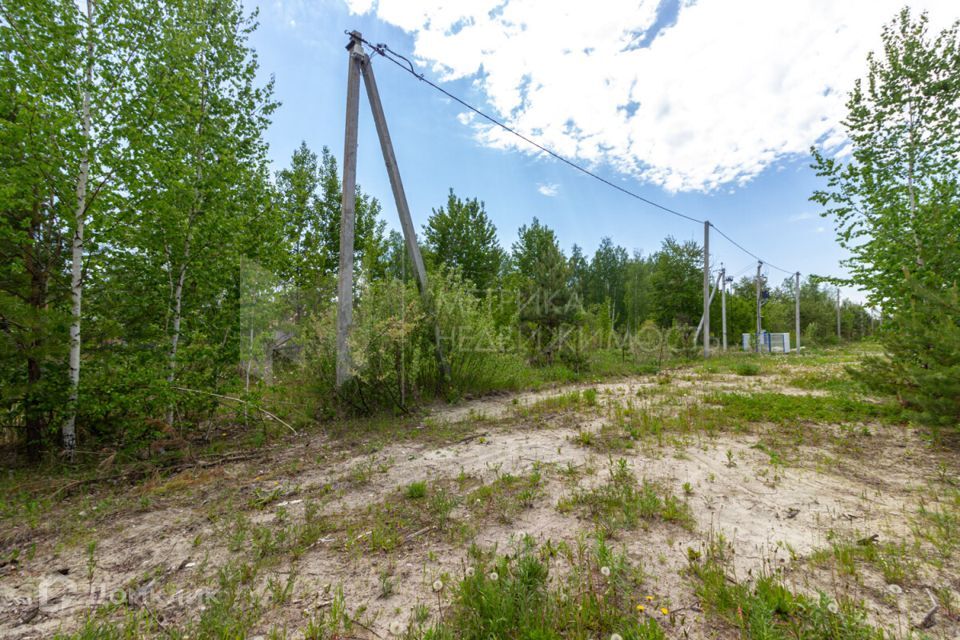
{"type": "Point", "coordinates": [833, 608]}
{"type": "Point", "coordinates": [605, 571]}
{"type": "Point", "coordinates": [664, 611]}
{"type": "Point", "coordinates": [438, 585]}
{"type": "Point", "coordinates": [649, 598]}
{"type": "Point", "coordinates": [616, 636]}
{"type": "Point", "coordinates": [895, 589]}
{"type": "Point", "coordinates": [493, 576]}
{"type": "Point", "coordinates": [641, 608]}
{"type": "Point", "coordinates": [470, 572]}
{"type": "Point", "coordinates": [396, 628]}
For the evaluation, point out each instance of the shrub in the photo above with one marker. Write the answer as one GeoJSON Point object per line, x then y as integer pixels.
{"type": "Point", "coordinates": [747, 369]}
{"type": "Point", "coordinates": [392, 345]}
{"type": "Point", "coordinates": [921, 364]}
{"type": "Point", "coordinates": [416, 490]}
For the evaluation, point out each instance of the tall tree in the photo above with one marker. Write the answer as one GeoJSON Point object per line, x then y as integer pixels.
{"type": "Point", "coordinates": [545, 301]}
{"type": "Point", "coordinates": [676, 283]}
{"type": "Point", "coordinates": [896, 202]}
{"type": "Point", "coordinates": [116, 38]}
{"type": "Point", "coordinates": [39, 145]}
{"type": "Point", "coordinates": [606, 278]}
{"type": "Point", "coordinates": [462, 237]}
{"type": "Point", "coordinates": [201, 159]}
{"type": "Point", "coordinates": [893, 199]}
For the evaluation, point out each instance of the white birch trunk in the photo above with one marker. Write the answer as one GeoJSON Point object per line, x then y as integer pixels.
{"type": "Point", "coordinates": [181, 277]}
{"type": "Point", "coordinates": [76, 268]}
{"type": "Point", "coordinates": [175, 334]}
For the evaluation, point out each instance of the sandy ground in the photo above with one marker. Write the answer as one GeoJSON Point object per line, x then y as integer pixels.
{"type": "Point", "coordinates": [771, 515]}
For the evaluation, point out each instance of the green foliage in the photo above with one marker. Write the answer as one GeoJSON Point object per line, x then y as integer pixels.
{"type": "Point", "coordinates": [747, 369]}
{"type": "Point", "coordinates": [781, 409]}
{"type": "Point", "coordinates": [461, 237]}
{"type": "Point", "coordinates": [514, 597]}
{"type": "Point", "coordinates": [545, 301]}
{"type": "Point", "coordinates": [921, 365]}
{"type": "Point", "coordinates": [897, 207]}
{"type": "Point", "coordinates": [624, 503]}
{"type": "Point", "coordinates": [416, 490]}
{"type": "Point", "coordinates": [676, 296]}
{"type": "Point", "coordinates": [767, 610]}
{"type": "Point", "coordinates": [391, 346]}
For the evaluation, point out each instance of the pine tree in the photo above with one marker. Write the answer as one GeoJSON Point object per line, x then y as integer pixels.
{"type": "Point", "coordinates": [462, 237]}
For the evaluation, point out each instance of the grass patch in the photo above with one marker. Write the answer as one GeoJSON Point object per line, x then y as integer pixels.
{"type": "Point", "coordinates": [515, 597]}
{"type": "Point", "coordinates": [507, 496]}
{"type": "Point", "coordinates": [746, 369]}
{"type": "Point", "coordinates": [768, 610]}
{"type": "Point", "coordinates": [387, 525]}
{"type": "Point", "coordinates": [624, 503]}
{"type": "Point", "coordinates": [893, 561]}
{"type": "Point", "coordinates": [416, 490]}
{"type": "Point", "coordinates": [784, 409]}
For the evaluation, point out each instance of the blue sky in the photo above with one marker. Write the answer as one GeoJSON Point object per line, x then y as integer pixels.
{"type": "Point", "coordinates": [668, 99]}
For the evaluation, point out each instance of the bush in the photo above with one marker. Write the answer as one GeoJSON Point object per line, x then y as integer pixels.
{"type": "Point", "coordinates": [747, 369]}
{"type": "Point", "coordinates": [921, 364]}
{"type": "Point", "coordinates": [392, 345]}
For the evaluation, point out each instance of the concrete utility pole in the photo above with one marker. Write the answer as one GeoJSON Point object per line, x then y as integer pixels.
{"type": "Point", "coordinates": [796, 294]}
{"type": "Point", "coordinates": [838, 315]}
{"type": "Point", "coordinates": [403, 209]}
{"type": "Point", "coordinates": [706, 289]}
{"type": "Point", "coordinates": [759, 267]}
{"type": "Point", "coordinates": [723, 305]}
{"type": "Point", "coordinates": [360, 65]}
{"type": "Point", "coordinates": [347, 213]}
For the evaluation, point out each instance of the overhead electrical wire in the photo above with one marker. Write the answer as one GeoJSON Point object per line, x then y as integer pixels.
{"type": "Point", "coordinates": [389, 54]}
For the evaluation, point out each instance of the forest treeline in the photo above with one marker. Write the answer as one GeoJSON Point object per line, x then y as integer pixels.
{"type": "Point", "coordinates": [152, 262]}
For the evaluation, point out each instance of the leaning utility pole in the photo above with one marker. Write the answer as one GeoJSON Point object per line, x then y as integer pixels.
{"type": "Point", "coordinates": [360, 65]}
{"type": "Point", "coordinates": [706, 289]}
{"type": "Point", "coordinates": [723, 304]}
{"type": "Point", "coordinates": [759, 267]}
{"type": "Point", "coordinates": [796, 293]}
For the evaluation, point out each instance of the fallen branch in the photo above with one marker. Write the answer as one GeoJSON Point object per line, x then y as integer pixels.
{"type": "Point", "coordinates": [198, 464]}
{"type": "Point", "coordinates": [472, 437]}
{"type": "Point", "coordinates": [415, 534]}
{"type": "Point", "coordinates": [241, 400]}
{"type": "Point", "coordinates": [931, 618]}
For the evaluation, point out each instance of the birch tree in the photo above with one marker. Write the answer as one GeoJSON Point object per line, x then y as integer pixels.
{"type": "Point", "coordinates": [201, 166]}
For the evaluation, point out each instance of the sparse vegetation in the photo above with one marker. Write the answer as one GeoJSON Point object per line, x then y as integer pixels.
{"type": "Point", "coordinates": [623, 502]}
{"type": "Point", "coordinates": [528, 445]}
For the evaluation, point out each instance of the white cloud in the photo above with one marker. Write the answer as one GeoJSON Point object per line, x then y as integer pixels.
{"type": "Point", "coordinates": [548, 190]}
{"type": "Point", "coordinates": [725, 92]}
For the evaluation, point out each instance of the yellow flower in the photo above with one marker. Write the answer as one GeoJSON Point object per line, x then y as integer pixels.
{"type": "Point", "coordinates": [640, 608]}
{"type": "Point", "coordinates": [664, 610]}
{"type": "Point", "coordinates": [649, 598]}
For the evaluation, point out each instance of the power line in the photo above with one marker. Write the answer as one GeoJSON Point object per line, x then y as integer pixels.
{"type": "Point", "coordinates": [389, 54]}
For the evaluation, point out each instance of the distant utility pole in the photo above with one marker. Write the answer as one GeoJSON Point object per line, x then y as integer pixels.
{"type": "Point", "coordinates": [360, 64]}
{"type": "Point", "coordinates": [723, 304]}
{"type": "Point", "coordinates": [759, 267]}
{"type": "Point", "coordinates": [706, 289]}
{"type": "Point", "coordinates": [838, 315]}
{"type": "Point", "coordinates": [796, 294]}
